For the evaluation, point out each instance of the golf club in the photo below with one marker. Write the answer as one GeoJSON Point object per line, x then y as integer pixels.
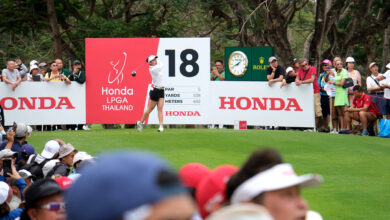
{"type": "Point", "coordinates": [133, 73]}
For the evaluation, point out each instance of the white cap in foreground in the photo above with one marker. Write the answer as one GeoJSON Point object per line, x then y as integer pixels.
{"type": "Point", "coordinates": [278, 177]}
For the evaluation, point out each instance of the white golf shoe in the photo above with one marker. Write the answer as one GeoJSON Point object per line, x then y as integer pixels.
{"type": "Point", "coordinates": [160, 129]}
{"type": "Point", "coordinates": [139, 126]}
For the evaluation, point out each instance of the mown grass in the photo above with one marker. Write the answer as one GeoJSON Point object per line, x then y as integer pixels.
{"type": "Point", "coordinates": [355, 169]}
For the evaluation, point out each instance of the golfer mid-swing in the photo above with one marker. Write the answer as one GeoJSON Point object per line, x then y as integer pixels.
{"type": "Point", "coordinates": [157, 94]}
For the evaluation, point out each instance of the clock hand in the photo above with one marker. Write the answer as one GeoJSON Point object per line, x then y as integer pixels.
{"type": "Point", "coordinates": [237, 63]}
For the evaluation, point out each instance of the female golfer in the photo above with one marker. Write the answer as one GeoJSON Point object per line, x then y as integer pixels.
{"type": "Point", "coordinates": [157, 94]}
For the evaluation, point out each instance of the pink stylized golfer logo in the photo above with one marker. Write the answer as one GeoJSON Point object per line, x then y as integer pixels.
{"type": "Point", "coordinates": [117, 76]}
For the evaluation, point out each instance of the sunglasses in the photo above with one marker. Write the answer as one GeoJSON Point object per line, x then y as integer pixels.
{"type": "Point", "coordinates": [54, 206]}
{"type": "Point", "coordinates": [303, 65]}
{"type": "Point", "coordinates": [338, 64]}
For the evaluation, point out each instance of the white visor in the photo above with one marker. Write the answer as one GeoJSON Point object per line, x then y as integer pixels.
{"type": "Point", "coordinates": [278, 177]}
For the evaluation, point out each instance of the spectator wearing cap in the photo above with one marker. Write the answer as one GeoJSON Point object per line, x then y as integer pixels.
{"type": "Point", "coordinates": [28, 177]}
{"type": "Point", "coordinates": [25, 153]}
{"type": "Point", "coordinates": [308, 74]}
{"type": "Point", "coordinates": [210, 193]}
{"type": "Point", "coordinates": [275, 72]}
{"type": "Point", "coordinates": [21, 134]}
{"type": "Point", "coordinates": [43, 68]}
{"type": "Point", "coordinates": [6, 154]}
{"type": "Point", "coordinates": [5, 197]}
{"type": "Point", "coordinates": [17, 185]}
{"type": "Point", "coordinates": [34, 75]}
{"type": "Point", "coordinates": [291, 75]}
{"type": "Point", "coordinates": [36, 164]}
{"type": "Point", "coordinates": [267, 184]}
{"type": "Point", "coordinates": [80, 159]}
{"type": "Point", "coordinates": [375, 87]}
{"type": "Point", "coordinates": [107, 185]}
{"type": "Point", "coordinates": [64, 182]}
{"type": "Point", "coordinates": [78, 74]}
{"type": "Point", "coordinates": [44, 201]}
{"type": "Point", "coordinates": [191, 174]}
{"type": "Point", "coordinates": [286, 80]}
{"type": "Point", "coordinates": [354, 75]}
{"type": "Point", "coordinates": [11, 75]}
{"type": "Point", "coordinates": [62, 167]}
{"type": "Point", "coordinates": [218, 72]}
{"type": "Point", "coordinates": [363, 110]}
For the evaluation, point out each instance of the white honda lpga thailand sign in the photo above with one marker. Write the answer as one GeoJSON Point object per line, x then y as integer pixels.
{"type": "Point", "coordinates": [259, 104]}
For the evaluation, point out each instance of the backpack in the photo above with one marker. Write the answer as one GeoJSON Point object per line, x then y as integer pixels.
{"type": "Point", "coordinates": [51, 172]}
{"type": "Point", "coordinates": [36, 168]}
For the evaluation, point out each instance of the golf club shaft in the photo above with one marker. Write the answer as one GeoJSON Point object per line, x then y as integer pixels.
{"type": "Point", "coordinates": [139, 66]}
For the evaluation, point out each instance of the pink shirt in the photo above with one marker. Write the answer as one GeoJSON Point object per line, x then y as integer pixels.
{"type": "Point", "coordinates": [305, 75]}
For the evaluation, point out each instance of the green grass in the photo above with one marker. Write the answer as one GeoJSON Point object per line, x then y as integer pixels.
{"type": "Point", "coordinates": [355, 169]}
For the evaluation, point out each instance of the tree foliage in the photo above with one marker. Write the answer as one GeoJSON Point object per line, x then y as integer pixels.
{"type": "Point", "coordinates": [45, 29]}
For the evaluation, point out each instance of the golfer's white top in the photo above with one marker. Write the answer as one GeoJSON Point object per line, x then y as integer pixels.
{"type": "Point", "coordinates": [157, 74]}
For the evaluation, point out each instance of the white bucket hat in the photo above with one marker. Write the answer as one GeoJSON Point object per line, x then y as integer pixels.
{"type": "Point", "coordinates": [278, 177]}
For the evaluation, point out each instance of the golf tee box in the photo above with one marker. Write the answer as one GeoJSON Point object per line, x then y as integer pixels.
{"type": "Point", "coordinates": [240, 125]}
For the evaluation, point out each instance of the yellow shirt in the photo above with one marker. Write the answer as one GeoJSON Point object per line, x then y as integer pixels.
{"type": "Point", "coordinates": [55, 77]}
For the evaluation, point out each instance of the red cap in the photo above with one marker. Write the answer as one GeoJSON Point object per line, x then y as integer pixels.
{"type": "Point", "coordinates": [192, 173]}
{"type": "Point", "coordinates": [64, 182]}
{"type": "Point", "coordinates": [211, 190]}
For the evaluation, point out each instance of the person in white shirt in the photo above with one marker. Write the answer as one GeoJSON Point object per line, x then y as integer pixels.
{"type": "Point", "coordinates": [157, 95]}
{"type": "Point", "coordinates": [375, 87]}
{"type": "Point", "coordinates": [386, 85]}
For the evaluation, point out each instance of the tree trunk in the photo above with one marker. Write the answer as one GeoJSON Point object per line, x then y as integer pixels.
{"type": "Point", "coordinates": [385, 52]}
{"type": "Point", "coordinates": [315, 49]}
{"type": "Point", "coordinates": [55, 30]}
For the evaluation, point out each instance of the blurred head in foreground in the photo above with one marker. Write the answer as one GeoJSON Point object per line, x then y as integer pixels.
{"type": "Point", "coordinates": [129, 186]}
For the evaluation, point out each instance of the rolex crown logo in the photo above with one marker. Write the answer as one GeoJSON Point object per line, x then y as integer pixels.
{"type": "Point", "coordinates": [261, 59]}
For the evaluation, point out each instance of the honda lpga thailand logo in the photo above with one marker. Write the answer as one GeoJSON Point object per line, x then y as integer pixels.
{"type": "Point", "coordinates": [117, 76]}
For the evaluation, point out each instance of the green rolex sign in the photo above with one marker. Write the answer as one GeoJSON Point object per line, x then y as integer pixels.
{"type": "Point", "coordinates": [247, 63]}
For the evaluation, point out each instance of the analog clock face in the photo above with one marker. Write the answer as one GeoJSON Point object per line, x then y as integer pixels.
{"type": "Point", "coordinates": [238, 63]}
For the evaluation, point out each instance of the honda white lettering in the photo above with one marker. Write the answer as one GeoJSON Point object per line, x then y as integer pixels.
{"type": "Point", "coordinates": [182, 113]}
{"type": "Point", "coordinates": [32, 103]}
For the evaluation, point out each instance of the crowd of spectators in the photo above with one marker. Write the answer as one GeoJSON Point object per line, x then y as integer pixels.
{"type": "Point", "coordinates": [338, 93]}
{"type": "Point", "coordinates": [341, 106]}
{"type": "Point", "coordinates": [64, 183]}
{"type": "Point", "coordinates": [16, 73]}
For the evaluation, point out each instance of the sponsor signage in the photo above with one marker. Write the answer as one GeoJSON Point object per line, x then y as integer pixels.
{"type": "Point", "coordinates": [37, 103]}
{"type": "Point", "coordinates": [114, 96]}
{"type": "Point", "coordinates": [259, 104]}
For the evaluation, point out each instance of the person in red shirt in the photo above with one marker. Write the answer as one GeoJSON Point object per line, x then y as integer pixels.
{"type": "Point", "coordinates": [308, 74]}
{"type": "Point", "coordinates": [363, 109]}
